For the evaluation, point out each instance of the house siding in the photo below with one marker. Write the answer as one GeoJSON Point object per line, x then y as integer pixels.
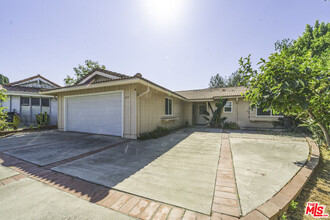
{"type": "Point", "coordinates": [152, 110]}
{"type": "Point", "coordinates": [246, 117]}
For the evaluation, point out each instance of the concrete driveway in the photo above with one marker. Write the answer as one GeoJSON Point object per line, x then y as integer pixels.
{"type": "Point", "coordinates": [178, 169]}
{"type": "Point", "coordinates": [53, 146]}
{"type": "Point", "coordinates": [182, 170]}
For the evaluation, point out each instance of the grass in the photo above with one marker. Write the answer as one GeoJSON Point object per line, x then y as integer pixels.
{"type": "Point", "coordinates": [316, 190]}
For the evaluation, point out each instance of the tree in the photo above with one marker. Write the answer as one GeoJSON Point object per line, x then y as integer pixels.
{"type": "Point", "coordinates": [81, 71]}
{"type": "Point", "coordinates": [295, 80]}
{"type": "Point", "coordinates": [235, 79]}
{"type": "Point", "coordinates": [217, 81]}
{"type": "Point", "coordinates": [3, 79]}
{"type": "Point", "coordinates": [214, 118]}
{"type": "Point", "coordinates": [3, 114]}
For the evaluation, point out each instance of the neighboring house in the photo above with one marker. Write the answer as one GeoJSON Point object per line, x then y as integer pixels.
{"type": "Point", "coordinates": [25, 99]}
{"type": "Point", "coordinates": [106, 102]}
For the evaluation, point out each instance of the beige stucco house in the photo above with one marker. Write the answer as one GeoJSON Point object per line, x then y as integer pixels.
{"type": "Point", "coordinates": [106, 102]}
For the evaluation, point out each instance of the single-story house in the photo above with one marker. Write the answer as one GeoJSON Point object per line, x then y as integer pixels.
{"type": "Point", "coordinates": [25, 99]}
{"type": "Point", "coordinates": [106, 102]}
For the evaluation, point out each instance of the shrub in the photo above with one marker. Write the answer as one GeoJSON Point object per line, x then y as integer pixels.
{"type": "Point", "coordinates": [156, 133]}
{"type": "Point", "coordinates": [16, 121]}
{"type": "Point", "coordinates": [230, 125]}
{"type": "Point", "coordinates": [42, 119]}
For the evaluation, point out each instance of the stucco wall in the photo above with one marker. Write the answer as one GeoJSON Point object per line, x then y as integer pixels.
{"type": "Point", "coordinates": [129, 106]}
{"type": "Point", "coordinates": [246, 117]}
{"type": "Point", "coordinates": [152, 110]}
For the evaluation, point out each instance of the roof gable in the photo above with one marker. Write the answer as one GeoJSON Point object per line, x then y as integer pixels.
{"type": "Point", "coordinates": [99, 75]}
{"type": "Point", "coordinates": [37, 81]}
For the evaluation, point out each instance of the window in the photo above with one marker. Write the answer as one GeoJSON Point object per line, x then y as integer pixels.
{"type": "Point", "coordinates": [228, 107]}
{"type": "Point", "coordinates": [35, 101]}
{"type": "Point", "coordinates": [25, 101]}
{"type": "Point", "coordinates": [202, 109]}
{"type": "Point", "coordinates": [45, 102]}
{"type": "Point", "coordinates": [267, 112]}
{"type": "Point", "coordinates": [168, 106]}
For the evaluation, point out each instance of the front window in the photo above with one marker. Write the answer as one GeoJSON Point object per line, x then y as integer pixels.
{"type": "Point", "coordinates": [35, 101]}
{"type": "Point", "coordinates": [168, 106]}
{"type": "Point", "coordinates": [45, 102]}
{"type": "Point", "coordinates": [228, 107]}
{"type": "Point", "coordinates": [25, 101]}
{"type": "Point", "coordinates": [267, 112]}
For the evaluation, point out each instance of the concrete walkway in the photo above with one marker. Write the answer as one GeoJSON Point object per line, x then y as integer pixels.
{"type": "Point", "coordinates": [30, 199]}
{"type": "Point", "coordinates": [264, 164]}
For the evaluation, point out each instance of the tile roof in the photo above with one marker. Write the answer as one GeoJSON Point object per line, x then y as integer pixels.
{"type": "Point", "coordinates": [31, 78]}
{"type": "Point", "coordinates": [201, 94]}
{"type": "Point", "coordinates": [103, 71]}
{"type": "Point", "coordinates": [21, 89]}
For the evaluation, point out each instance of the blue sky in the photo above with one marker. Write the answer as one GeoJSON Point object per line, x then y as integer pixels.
{"type": "Point", "coordinates": [178, 44]}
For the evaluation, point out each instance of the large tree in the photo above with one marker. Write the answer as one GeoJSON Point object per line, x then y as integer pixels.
{"type": "Point", "coordinates": [81, 71]}
{"type": "Point", "coordinates": [217, 81]}
{"type": "Point", "coordinates": [3, 79]}
{"type": "Point", "coordinates": [295, 80]}
{"type": "Point", "coordinates": [3, 113]}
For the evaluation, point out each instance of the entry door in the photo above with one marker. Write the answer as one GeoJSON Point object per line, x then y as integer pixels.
{"type": "Point", "coordinates": [97, 113]}
{"type": "Point", "coordinates": [201, 107]}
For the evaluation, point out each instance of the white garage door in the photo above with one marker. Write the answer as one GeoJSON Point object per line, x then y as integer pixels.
{"type": "Point", "coordinates": [97, 113]}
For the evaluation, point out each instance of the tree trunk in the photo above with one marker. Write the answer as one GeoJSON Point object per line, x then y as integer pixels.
{"type": "Point", "coordinates": [322, 126]}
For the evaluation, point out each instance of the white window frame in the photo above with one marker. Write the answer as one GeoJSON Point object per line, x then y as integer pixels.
{"type": "Point", "coordinates": [271, 114]}
{"type": "Point", "coordinates": [168, 105]}
{"type": "Point", "coordinates": [231, 109]}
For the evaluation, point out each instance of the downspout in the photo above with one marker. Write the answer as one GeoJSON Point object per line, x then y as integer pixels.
{"type": "Point", "coordinates": [237, 110]}
{"type": "Point", "coordinates": [139, 111]}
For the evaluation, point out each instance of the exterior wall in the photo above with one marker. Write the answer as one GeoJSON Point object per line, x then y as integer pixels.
{"type": "Point", "coordinates": [27, 113]}
{"type": "Point", "coordinates": [188, 113]}
{"type": "Point", "coordinates": [129, 106]}
{"type": "Point", "coordinates": [152, 110]}
{"type": "Point", "coordinates": [246, 117]}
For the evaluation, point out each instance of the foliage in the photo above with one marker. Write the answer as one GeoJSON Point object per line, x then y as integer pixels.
{"type": "Point", "coordinates": [295, 80]}
{"type": "Point", "coordinates": [3, 79]}
{"type": "Point", "coordinates": [284, 216]}
{"type": "Point", "coordinates": [42, 119]}
{"type": "Point", "coordinates": [293, 205]}
{"type": "Point", "coordinates": [156, 133]}
{"type": "Point", "coordinates": [214, 118]}
{"type": "Point", "coordinates": [81, 71]}
{"type": "Point", "coordinates": [217, 81]}
{"type": "Point", "coordinates": [231, 125]}
{"type": "Point", "coordinates": [16, 121]}
{"type": "Point", "coordinates": [3, 114]}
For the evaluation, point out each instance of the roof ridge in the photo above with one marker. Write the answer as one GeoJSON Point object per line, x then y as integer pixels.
{"type": "Point", "coordinates": [31, 78]}
{"type": "Point", "coordinates": [208, 89]}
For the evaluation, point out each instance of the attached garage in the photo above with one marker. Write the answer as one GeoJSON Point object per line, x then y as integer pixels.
{"type": "Point", "coordinates": [97, 113]}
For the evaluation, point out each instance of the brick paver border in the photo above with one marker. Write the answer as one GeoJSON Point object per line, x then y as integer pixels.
{"type": "Point", "coordinates": [225, 204]}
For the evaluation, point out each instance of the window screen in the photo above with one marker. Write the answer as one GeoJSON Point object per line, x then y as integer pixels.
{"type": "Point", "coordinates": [261, 112]}
{"type": "Point", "coordinates": [45, 102]}
{"type": "Point", "coordinates": [168, 106]}
{"type": "Point", "coordinates": [228, 107]}
{"type": "Point", "coordinates": [35, 101]}
{"type": "Point", "coordinates": [25, 101]}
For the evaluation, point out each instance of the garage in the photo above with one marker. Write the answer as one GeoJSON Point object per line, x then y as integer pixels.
{"type": "Point", "coordinates": [100, 113]}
